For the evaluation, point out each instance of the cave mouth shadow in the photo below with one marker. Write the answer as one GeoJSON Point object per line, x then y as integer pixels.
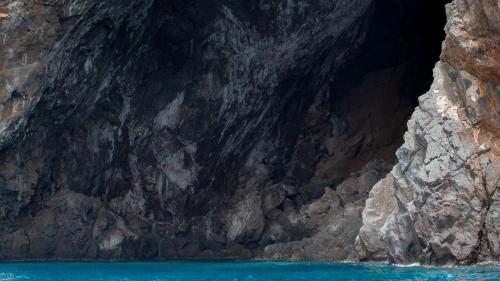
{"type": "Point", "coordinates": [373, 96]}
{"type": "Point", "coordinates": [324, 140]}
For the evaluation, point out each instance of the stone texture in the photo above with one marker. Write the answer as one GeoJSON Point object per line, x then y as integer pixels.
{"type": "Point", "coordinates": [439, 203]}
{"type": "Point", "coordinates": [334, 220]}
{"type": "Point", "coordinates": [163, 129]}
{"type": "Point", "coordinates": [232, 129]}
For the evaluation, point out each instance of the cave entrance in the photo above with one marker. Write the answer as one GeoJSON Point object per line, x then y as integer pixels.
{"type": "Point", "coordinates": [324, 133]}
{"type": "Point", "coordinates": [373, 96]}
{"type": "Point", "coordinates": [353, 128]}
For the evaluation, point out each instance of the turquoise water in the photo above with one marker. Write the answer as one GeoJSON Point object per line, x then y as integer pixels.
{"type": "Point", "coordinates": [234, 271]}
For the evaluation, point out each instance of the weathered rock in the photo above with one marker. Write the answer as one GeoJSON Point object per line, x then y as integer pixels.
{"type": "Point", "coordinates": [246, 221]}
{"type": "Point", "coordinates": [333, 221]}
{"type": "Point", "coordinates": [232, 129]}
{"type": "Point", "coordinates": [143, 129]}
{"type": "Point", "coordinates": [439, 203]}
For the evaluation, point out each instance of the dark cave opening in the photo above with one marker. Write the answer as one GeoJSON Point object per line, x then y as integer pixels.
{"type": "Point", "coordinates": [349, 133]}
{"type": "Point", "coordinates": [387, 73]}
{"type": "Point", "coordinates": [328, 131]}
{"type": "Point", "coordinates": [338, 135]}
{"type": "Point", "coordinates": [373, 95]}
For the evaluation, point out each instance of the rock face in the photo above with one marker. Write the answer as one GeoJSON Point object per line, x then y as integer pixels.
{"type": "Point", "coordinates": [248, 129]}
{"type": "Point", "coordinates": [440, 203]}
{"type": "Point", "coordinates": [164, 129]}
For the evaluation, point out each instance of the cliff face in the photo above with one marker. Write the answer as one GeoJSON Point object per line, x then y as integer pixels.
{"type": "Point", "coordinates": [145, 129]}
{"type": "Point", "coordinates": [440, 203]}
{"type": "Point", "coordinates": [229, 129]}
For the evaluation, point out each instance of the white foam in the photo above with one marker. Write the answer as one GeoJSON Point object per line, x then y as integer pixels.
{"type": "Point", "coordinates": [416, 264]}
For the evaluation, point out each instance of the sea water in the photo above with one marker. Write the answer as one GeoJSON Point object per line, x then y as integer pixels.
{"type": "Point", "coordinates": [235, 271]}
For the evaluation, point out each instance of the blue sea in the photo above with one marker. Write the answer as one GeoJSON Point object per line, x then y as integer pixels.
{"type": "Point", "coordinates": [235, 271]}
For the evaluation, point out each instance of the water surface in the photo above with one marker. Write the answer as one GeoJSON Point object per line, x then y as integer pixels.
{"type": "Point", "coordinates": [235, 271]}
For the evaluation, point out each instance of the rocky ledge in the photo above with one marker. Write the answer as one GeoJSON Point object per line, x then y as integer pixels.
{"type": "Point", "coordinates": [232, 129]}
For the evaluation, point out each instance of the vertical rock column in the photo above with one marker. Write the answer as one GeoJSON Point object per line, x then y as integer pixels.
{"type": "Point", "coordinates": [440, 204]}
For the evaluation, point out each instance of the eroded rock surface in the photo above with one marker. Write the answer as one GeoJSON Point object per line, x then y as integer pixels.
{"type": "Point", "coordinates": [440, 202]}
{"type": "Point", "coordinates": [232, 129]}
{"type": "Point", "coordinates": [334, 220]}
{"type": "Point", "coordinates": [164, 129]}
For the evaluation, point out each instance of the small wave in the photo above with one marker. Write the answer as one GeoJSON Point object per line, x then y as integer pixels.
{"type": "Point", "coordinates": [11, 277]}
{"type": "Point", "coordinates": [488, 264]}
{"type": "Point", "coordinates": [408, 265]}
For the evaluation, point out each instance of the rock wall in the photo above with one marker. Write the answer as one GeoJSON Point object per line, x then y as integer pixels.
{"type": "Point", "coordinates": [440, 204]}
{"type": "Point", "coordinates": [232, 129]}
{"type": "Point", "coordinates": [167, 129]}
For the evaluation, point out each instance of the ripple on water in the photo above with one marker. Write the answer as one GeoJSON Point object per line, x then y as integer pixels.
{"type": "Point", "coordinates": [237, 271]}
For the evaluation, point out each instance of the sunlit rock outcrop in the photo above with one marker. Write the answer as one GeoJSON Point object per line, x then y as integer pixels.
{"type": "Point", "coordinates": [440, 203]}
